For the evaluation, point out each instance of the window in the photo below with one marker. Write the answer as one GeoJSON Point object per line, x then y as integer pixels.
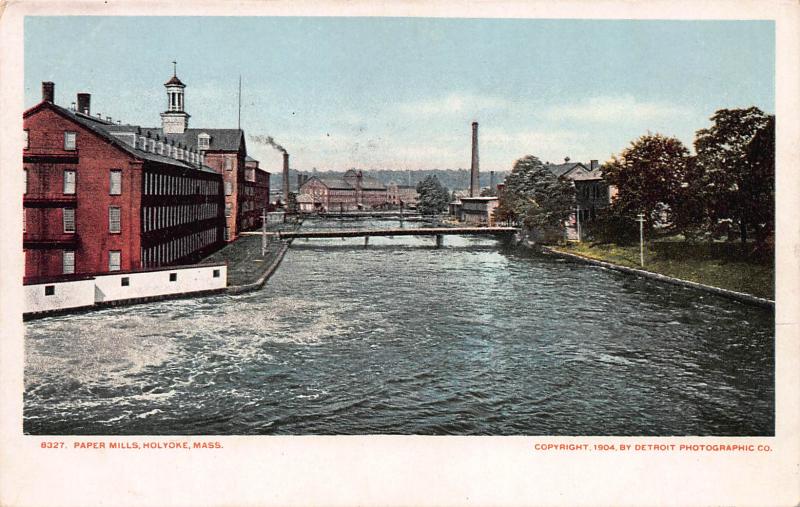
{"type": "Point", "coordinates": [25, 190]}
{"type": "Point", "coordinates": [228, 164]}
{"type": "Point", "coordinates": [216, 273]}
{"type": "Point", "coordinates": [225, 234]}
{"type": "Point", "coordinates": [24, 219]}
{"type": "Point", "coordinates": [68, 262]}
{"type": "Point", "coordinates": [69, 141]}
{"type": "Point", "coordinates": [173, 277]}
{"type": "Point", "coordinates": [114, 219]}
{"type": "Point", "coordinates": [116, 182]}
{"type": "Point", "coordinates": [228, 188]}
{"type": "Point", "coordinates": [228, 209]}
{"type": "Point", "coordinates": [69, 181]}
{"type": "Point", "coordinates": [26, 138]}
{"type": "Point", "coordinates": [114, 260]}
{"type": "Point", "coordinates": [203, 141]}
{"type": "Point", "coordinates": [49, 290]}
{"type": "Point", "coordinates": [69, 219]}
{"type": "Point", "coordinates": [125, 282]}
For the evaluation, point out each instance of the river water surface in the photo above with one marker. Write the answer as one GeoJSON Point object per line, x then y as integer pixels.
{"type": "Point", "coordinates": [402, 338]}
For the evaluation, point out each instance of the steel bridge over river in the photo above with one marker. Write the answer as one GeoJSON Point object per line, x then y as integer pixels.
{"type": "Point", "coordinates": [438, 232]}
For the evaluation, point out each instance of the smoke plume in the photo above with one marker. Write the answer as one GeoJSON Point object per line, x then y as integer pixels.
{"type": "Point", "coordinates": [268, 141]}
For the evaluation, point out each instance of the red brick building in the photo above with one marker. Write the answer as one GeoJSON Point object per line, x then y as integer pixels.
{"type": "Point", "coordinates": [223, 150]}
{"type": "Point", "coordinates": [353, 191]}
{"type": "Point", "coordinates": [101, 197]}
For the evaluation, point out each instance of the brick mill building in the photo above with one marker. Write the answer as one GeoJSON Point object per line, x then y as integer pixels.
{"type": "Point", "coordinates": [103, 197]}
{"type": "Point", "coordinates": [353, 191]}
{"type": "Point", "coordinates": [94, 203]}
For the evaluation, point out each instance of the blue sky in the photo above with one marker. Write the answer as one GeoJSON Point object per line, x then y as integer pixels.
{"type": "Point", "coordinates": [400, 93]}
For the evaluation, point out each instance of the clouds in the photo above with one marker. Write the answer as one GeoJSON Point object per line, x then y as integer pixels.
{"type": "Point", "coordinates": [615, 109]}
{"type": "Point", "coordinates": [453, 104]}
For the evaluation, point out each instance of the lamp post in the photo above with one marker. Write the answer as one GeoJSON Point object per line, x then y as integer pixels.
{"type": "Point", "coordinates": [640, 219]}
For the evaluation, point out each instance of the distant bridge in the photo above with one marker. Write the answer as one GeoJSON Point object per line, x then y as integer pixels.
{"type": "Point", "coordinates": [438, 232]}
{"type": "Point", "coordinates": [365, 214]}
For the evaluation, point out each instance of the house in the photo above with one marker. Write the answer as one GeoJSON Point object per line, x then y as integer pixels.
{"type": "Point", "coordinates": [592, 193]}
{"type": "Point", "coordinates": [477, 210]}
{"type": "Point", "coordinates": [99, 202]}
{"type": "Point", "coordinates": [401, 194]}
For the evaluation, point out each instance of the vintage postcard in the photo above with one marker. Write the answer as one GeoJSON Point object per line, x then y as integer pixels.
{"type": "Point", "coordinates": [336, 253]}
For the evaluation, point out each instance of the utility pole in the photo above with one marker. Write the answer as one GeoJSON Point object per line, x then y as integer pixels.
{"type": "Point", "coordinates": [640, 219]}
{"type": "Point", "coordinates": [578, 222]}
{"type": "Point", "coordinates": [263, 232]}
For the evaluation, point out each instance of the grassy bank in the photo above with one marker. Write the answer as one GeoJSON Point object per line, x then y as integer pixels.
{"type": "Point", "coordinates": [717, 264]}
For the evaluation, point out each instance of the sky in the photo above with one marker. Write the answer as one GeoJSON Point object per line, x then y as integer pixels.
{"type": "Point", "coordinates": [401, 93]}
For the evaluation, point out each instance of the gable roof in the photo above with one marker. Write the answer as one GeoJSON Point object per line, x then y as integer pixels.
{"type": "Point", "coordinates": [104, 128]}
{"type": "Point", "coordinates": [564, 169]}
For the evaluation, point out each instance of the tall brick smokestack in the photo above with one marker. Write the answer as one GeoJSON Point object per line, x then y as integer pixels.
{"type": "Point", "coordinates": [475, 182]}
{"type": "Point", "coordinates": [48, 91]}
{"type": "Point", "coordinates": [285, 178]}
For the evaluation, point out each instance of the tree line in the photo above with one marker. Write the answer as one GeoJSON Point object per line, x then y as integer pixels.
{"type": "Point", "coordinates": [727, 187]}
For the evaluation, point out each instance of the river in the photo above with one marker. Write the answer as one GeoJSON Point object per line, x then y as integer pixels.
{"type": "Point", "coordinates": [474, 338]}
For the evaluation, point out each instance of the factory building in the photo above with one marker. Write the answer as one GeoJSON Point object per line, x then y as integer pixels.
{"type": "Point", "coordinates": [353, 191]}
{"type": "Point", "coordinates": [98, 202]}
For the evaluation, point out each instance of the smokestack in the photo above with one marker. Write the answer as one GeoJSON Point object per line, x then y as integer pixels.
{"type": "Point", "coordinates": [84, 101]}
{"type": "Point", "coordinates": [474, 184]}
{"type": "Point", "coordinates": [48, 91]}
{"type": "Point", "coordinates": [491, 180]}
{"type": "Point", "coordinates": [285, 178]}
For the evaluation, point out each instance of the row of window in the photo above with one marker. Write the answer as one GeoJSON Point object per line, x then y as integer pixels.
{"type": "Point", "coordinates": [68, 261]}
{"type": "Point", "coordinates": [68, 220]}
{"type": "Point", "coordinates": [70, 182]}
{"type": "Point", "coordinates": [166, 149]}
{"type": "Point", "coordinates": [159, 217]}
{"type": "Point", "coordinates": [166, 184]}
{"type": "Point", "coordinates": [177, 248]}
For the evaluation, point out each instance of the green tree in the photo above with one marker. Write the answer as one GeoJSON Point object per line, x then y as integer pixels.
{"type": "Point", "coordinates": [535, 196]}
{"type": "Point", "coordinates": [732, 166]}
{"type": "Point", "coordinates": [433, 197]}
{"type": "Point", "coordinates": [649, 176]}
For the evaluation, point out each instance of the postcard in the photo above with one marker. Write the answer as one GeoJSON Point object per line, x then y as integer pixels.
{"type": "Point", "coordinates": [338, 253]}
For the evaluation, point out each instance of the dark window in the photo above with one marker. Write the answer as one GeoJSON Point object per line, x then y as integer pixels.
{"type": "Point", "coordinates": [126, 281]}
{"type": "Point", "coordinates": [49, 290]}
{"type": "Point", "coordinates": [216, 273]}
{"type": "Point", "coordinates": [173, 277]}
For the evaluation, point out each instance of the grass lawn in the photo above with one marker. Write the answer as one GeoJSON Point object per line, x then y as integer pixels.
{"type": "Point", "coordinates": [717, 264]}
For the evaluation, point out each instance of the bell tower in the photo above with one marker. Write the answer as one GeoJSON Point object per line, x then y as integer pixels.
{"type": "Point", "coordinates": [174, 120]}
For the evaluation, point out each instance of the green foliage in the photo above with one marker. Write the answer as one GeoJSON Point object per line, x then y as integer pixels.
{"type": "Point", "coordinates": [736, 167]}
{"type": "Point", "coordinates": [535, 196]}
{"type": "Point", "coordinates": [649, 175]}
{"type": "Point", "coordinates": [433, 197]}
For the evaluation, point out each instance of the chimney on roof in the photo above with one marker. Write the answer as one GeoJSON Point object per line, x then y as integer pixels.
{"type": "Point", "coordinates": [474, 181]}
{"type": "Point", "coordinates": [84, 103]}
{"type": "Point", "coordinates": [285, 178]}
{"type": "Point", "coordinates": [566, 160]}
{"type": "Point", "coordinates": [48, 91]}
{"type": "Point", "coordinates": [593, 165]}
{"type": "Point", "coordinates": [108, 119]}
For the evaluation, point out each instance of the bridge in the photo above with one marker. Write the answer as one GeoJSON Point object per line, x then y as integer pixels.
{"type": "Point", "coordinates": [438, 232]}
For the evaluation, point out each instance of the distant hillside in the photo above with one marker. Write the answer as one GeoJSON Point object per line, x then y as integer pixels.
{"type": "Point", "coordinates": [453, 179]}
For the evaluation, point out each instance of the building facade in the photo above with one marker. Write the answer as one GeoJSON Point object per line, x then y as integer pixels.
{"type": "Point", "coordinates": [405, 195]}
{"type": "Point", "coordinates": [96, 203]}
{"type": "Point", "coordinates": [353, 191]}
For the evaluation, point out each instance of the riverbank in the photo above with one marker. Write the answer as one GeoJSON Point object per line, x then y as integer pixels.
{"type": "Point", "coordinates": [709, 267]}
{"type": "Point", "coordinates": [247, 268]}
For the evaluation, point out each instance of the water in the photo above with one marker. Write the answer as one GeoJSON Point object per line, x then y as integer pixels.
{"type": "Point", "coordinates": [401, 338]}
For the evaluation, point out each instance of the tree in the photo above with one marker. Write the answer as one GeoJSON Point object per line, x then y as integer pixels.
{"type": "Point", "coordinates": [649, 176]}
{"type": "Point", "coordinates": [534, 195]}
{"type": "Point", "coordinates": [732, 166]}
{"type": "Point", "coordinates": [433, 197]}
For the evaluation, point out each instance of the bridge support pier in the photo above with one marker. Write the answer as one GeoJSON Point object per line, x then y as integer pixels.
{"type": "Point", "coordinates": [439, 240]}
{"type": "Point", "coordinates": [366, 241]}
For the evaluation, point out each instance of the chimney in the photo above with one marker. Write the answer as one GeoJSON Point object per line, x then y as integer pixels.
{"type": "Point", "coordinates": [491, 180]}
{"type": "Point", "coordinates": [48, 91]}
{"type": "Point", "coordinates": [299, 181]}
{"type": "Point", "coordinates": [285, 178]}
{"type": "Point", "coordinates": [593, 165]}
{"type": "Point", "coordinates": [474, 183]}
{"type": "Point", "coordinates": [84, 101]}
